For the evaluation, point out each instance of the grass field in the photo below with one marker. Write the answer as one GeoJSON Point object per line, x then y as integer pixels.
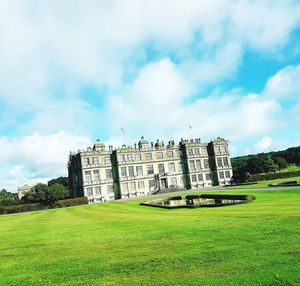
{"type": "Point", "coordinates": [264, 184]}
{"type": "Point", "coordinates": [122, 243]}
{"type": "Point", "coordinates": [291, 168]}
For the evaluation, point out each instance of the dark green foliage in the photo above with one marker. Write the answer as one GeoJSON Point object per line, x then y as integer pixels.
{"type": "Point", "coordinates": [280, 162]}
{"type": "Point", "coordinates": [40, 187]}
{"type": "Point", "coordinates": [61, 180]}
{"type": "Point", "coordinates": [273, 176]}
{"type": "Point", "coordinates": [8, 202]}
{"type": "Point", "coordinates": [258, 165]}
{"type": "Point", "coordinates": [244, 177]}
{"type": "Point", "coordinates": [266, 162]}
{"type": "Point", "coordinates": [21, 208]}
{"type": "Point", "coordinates": [71, 202]}
{"type": "Point", "coordinates": [45, 195]}
{"type": "Point", "coordinates": [56, 192]}
{"type": "Point", "coordinates": [32, 197]}
{"type": "Point", "coordinates": [8, 198]}
{"type": "Point", "coordinates": [36, 194]}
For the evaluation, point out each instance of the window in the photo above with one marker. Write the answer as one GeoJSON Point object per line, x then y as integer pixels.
{"type": "Point", "coordinates": [161, 168]}
{"type": "Point", "coordinates": [198, 164]}
{"type": "Point", "coordinates": [95, 161]}
{"type": "Point", "coordinates": [221, 175]}
{"type": "Point", "coordinates": [124, 187]}
{"type": "Point", "coordinates": [197, 152]}
{"type": "Point", "coordinates": [148, 156]}
{"type": "Point", "coordinates": [139, 170]}
{"type": "Point", "coordinates": [152, 184]}
{"type": "Point", "coordinates": [194, 178]}
{"type": "Point", "coordinates": [171, 167]}
{"type": "Point", "coordinates": [123, 172]}
{"type": "Point", "coordinates": [108, 173]}
{"type": "Point", "coordinates": [141, 185]}
{"type": "Point", "coordinates": [192, 165]}
{"type": "Point", "coordinates": [129, 157]}
{"type": "Point", "coordinates": [203, 151]}
{"type": "Point", "coordinates": [170, 154]}
{"type": "Point", "coordinates": [96, 176]}
{"type": "Point", "coordinates": [219, 162]}
{"type": "Point", "coordinates": [130, 171]}
{"type": "Point", "coordinates": [132, 186]}
{"type": "Point", "coordinates": [200, 177]}
{"type": "Point", "coordinates": [190, 152]}
{"type": "Point", "coordinates": [121, 158]}
{"type": "Point", "coordinates": [150, 170]}
{"type": "Point", "coordinates": [227, 174]}
{"type": "Point", "coordinates": [207, 176]}
{"type": "Point", "coordinates": [89, 192]}
{"type": "Point", "coordinates": [159, 155]}
{"type": "Point", "coordinates": [225, 160]}
{"type": "Point", "coordinates": [86, 161]}
{"type": "Point", "coordinates": [223, 149]}
{"type": "Point", "coordinates": [107, 160]}
{"type": "Point", "coordinates": [217, 149]}
{"type": "Point", "coordinates": [87, 175]}
{"type": "Point", "coordinates": [174, 181]}
{"type": "Point", "coordinates": [98, 191]}
{"type": "Point", "coordinates": [110, 189]}
{"type": "Point", "coordinates": [137, 157]}
{"type": "Point", "coordinates": [205, 162]}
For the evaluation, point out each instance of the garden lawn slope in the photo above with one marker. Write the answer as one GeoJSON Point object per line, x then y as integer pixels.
{"type": "Point", "coordinates": [264, 184]}
{"type": "Point", "coordinates": [123, 243]}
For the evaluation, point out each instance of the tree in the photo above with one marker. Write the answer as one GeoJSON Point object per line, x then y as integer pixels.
{"type": "Point", "coordinates": [30, 197]}
{"type": "Point", "coordinates": [60, 180]}
{"type": "Point", "coordinates": [258, 165]}
{"type": "Point", "coordinates": [280, 162]}
{"type": "Point", "coordinates": [8, 198]}
{"type": "Point", "coordinates": [56, 192]}
{"type": "Point", "coordinates": [40, 191]}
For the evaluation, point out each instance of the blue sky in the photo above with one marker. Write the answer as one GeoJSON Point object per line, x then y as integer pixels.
{"type": "Point", "coordinates": [72, 73]}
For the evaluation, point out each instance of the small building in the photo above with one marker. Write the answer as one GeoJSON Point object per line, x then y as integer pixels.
{"type": "Point", "coordinates": [22, 190]}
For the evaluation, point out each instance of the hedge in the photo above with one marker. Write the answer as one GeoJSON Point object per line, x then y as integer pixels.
{"type": "Point", "coordinates": [71, 202]}
{"type": "Point", "coordinates": [21, 208]}
{"type": "Point", "coordinates": [36, 206]}
{"type": "Point", "coordinates": [273, 176]}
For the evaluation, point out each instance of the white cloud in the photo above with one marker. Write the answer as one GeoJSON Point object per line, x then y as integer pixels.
{"type": "Point", "coordinates": [264, 144]}
{"type": "Point", "coordinates": [285, 84]}
{"type": "Point", "coordinates": [50, 50]}
{"type": "Point", "coordinates": [155, 104]}
{"type": "Point", "coordinates": [36, 157]}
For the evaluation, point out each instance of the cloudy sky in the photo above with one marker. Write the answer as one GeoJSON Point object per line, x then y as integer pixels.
{"type": "Point", "coordinates": [74, 71]}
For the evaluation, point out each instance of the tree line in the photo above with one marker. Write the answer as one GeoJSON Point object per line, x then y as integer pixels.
{"type": "Point", "coordinates": [46, 194]}
{"type": "Point", "coordinates": [266, 162]}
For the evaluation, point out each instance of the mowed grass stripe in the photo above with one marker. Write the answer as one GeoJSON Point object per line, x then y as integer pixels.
{"type": "Point", "coordinates": [122, 243]}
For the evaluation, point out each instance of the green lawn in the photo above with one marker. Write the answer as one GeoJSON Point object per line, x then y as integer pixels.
{"type": "Point", "coordinates": [290, 168]}
{"type": "Point", "coordinates": [264, 184]}
{"type": "Point", "coordinates": [122, 243]}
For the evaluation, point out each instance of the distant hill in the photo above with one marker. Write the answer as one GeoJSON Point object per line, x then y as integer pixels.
{"type": "Point", "coordinates": [267, 162]}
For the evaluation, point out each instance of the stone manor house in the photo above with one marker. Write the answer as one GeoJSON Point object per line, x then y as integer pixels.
{"type": "Point", "coordinates": [103, 174]}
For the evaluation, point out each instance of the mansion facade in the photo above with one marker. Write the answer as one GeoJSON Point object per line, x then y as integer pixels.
{"type": "Point", "coordinates": [102, 174]}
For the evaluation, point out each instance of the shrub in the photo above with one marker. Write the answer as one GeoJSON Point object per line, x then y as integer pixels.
{"type": "Point", "coordinates": [56, 192]}
{"type": "Point", "coordinates": [20, 208]}
{"type": "Point", "coordinates": [273, 176]}
{"type": "Point", "coordinates": [71, 202]}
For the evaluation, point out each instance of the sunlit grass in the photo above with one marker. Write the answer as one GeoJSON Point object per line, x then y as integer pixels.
{"type": "Point", "coordinates": [123, 243]}
{"type": "Point", "coordinates": [264, 184]}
